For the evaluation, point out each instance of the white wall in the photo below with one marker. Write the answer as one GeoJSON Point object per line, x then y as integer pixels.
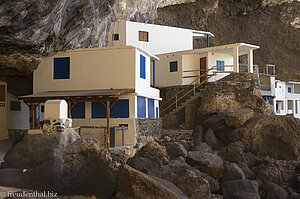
{"type": "Point", "coordinates": [162, 39]}
{"type": "Point", "coordinates": [212, 61]}
{"type": "Point", "coordinates": [17, 119]}
{"type": "Point", "coordinates": [3, 117]}
{"type": "Point", "coordinates": [164, 77]}
{"type": "Point", "coordinates": [89, 70]}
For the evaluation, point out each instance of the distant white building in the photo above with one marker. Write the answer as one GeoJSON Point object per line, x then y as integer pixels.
{"type": "Point", "coordinates": [156, 39]}
{"type": "Point", "coordinates": [183, 67]}
{"type": "Point", "coordinates": [90, 78]}
{"type": "Point", "coordinates": [284, 96]}
{"type": "Point", "coordinates": [14, 114]}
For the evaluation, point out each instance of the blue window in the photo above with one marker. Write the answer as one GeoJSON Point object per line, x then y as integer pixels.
{"type": "Point", "coordinates": [156, 112]}
{"type": "Point", "coordinates": [151, 108]}
{"type": "Point", "coordinates": [61, 68]}
{"type": "Point", "coordinates": [220, 63]}
{"type": "Point", "coordinates": [142, 67]}
{"type": "Point", "coordinates": [141, 107]}
{"type": "Point", "coordinates": [173, 66]}
{"type": "Point", "coordinates": [119, 110]}
{"type": "Point", "coordinates": [289, 89]}
{"type": "Point", "coordinates": [275, 84]}
{"type": "Point", "coordinates": [78, 111]}
{"type": "Point", "coordinates": [98, 110]}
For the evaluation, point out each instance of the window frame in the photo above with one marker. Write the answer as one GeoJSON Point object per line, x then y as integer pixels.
{"type": "Point", "coordinates": [12, 107]}
{"type": "Point", "coordinates": [142, 66]}
{"type": "Point", "coordinates": [289, 89]}
{"type": "Point", "coordinates": [143, 36]}
{"type": "Point", "coordinates": [173, 62]}
{"type": "Point", "coordinates": [220, 63]}
{"type": "Point", "coordinates": [54, 68]}
{"type": "Point", "coordinates": [116, 38]}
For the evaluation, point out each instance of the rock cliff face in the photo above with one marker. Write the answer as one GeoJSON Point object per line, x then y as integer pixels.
{"type": "Point", "coordinates": [32, 28]}
{"type": "Point", "coordinates": [272, 24]}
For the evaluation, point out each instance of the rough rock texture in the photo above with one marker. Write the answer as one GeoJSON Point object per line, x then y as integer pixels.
{"type": "Point", "coordinates": [153, 151]}
{"type": "Point", "coordinates": [232, 172]}
{"type": "Point", "coordinates": [82, 167]}
{"type": "Point", "coordinates": [240, 189]}
{"type": "Point", "coordinates": [32, 28]}
{"type": "Point", "coordinates": [175, 150]}
{"type": "Point", "coordinates": [237, 117]}
{"type": "Point", "coordinates": [271, 190]}
{"type": "Point", "coordinates": [274, 25]}
{"type": "Point", "coordinates": [277, 137]}
{"type": "Point", "coordinates": [206, 162]}
{"type": "Point", "coordinates": [35, 150]}
{"type": "Point", "coordinates": [135, 184]}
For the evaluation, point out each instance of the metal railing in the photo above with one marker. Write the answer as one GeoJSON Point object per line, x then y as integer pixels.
{"type": "Point", "coordinates": [179, 96]}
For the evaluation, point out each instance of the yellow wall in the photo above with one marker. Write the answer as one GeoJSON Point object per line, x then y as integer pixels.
{"type": "Point", "coordinates": [163, 75]}
{"type": "Point", "coordinates": [89, 69]}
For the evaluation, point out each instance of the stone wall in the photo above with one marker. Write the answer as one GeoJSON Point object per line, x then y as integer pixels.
{"type": "Point", "coordinates": [147, 129]}
{"type": "Point", "coordinates": [16, 133]}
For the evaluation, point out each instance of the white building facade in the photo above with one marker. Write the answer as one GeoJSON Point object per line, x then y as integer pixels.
{"type": "Point", "coordinates": [14, 114]}
{"type": "Point", "coordinates": [99, 69]}
{"type": "Point", "coordinates": [156, 39]}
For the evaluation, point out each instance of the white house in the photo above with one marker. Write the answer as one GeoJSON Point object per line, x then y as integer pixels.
{"type": "Point", "coordinates": [91, 79]}
{"type": "Point", "coordinates": [184, 67]}
{"type": "Point", "coordinates": [14, 114]}
{"type": "Point", "coordinates": [156, 39]}
{"type": "Point", "coordinates": [284, 96]}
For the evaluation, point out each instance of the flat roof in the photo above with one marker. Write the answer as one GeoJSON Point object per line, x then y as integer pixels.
{"type": "Point", "coordinates": [110, 48]}
{"type": "Point", "coordinates": [77, 95]}
{"type": "Point", "coordinates": [226, 49]}
{"type": "Point", "coordinates": [194, 31]}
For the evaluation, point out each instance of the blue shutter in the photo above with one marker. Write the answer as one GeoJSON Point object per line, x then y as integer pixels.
{"type": "Point", "coordinates": [289, 89]}
{"type": "Point", "coordinates": [141, 107]}
{"type": "Point", "coordinates": [61, 68]}
{"type": "Point", "coordinates": [173, 66]}
{"type": "Point", "coordinates": [156, 112]}
{"type": "Point", "coordinates": [142, 67]}
{"type": "Point", "coordinates": [98, 110]}
{"type": "Point", "coordinates": [78, 111]}
{"type": "Point", "coordinates": [150, 108]}
{"type": "Point", "coordinates": [220, 63]}
{"type": "Point", "coordinates": [120, 109]}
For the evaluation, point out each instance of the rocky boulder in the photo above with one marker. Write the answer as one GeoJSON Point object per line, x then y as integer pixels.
{"type": "Point", "coordinates": [275, 136]}
{"type": "Point", "coordinates": [135, 184]}
{"type": "Point", "coordinates": [236, 117]}
{"type": "Point", "coordinates": [35, 150]}
{"type": "Point", "coordinates": [210, 138]}
{"type": "Point", "coordinates": [232, 172]}
{"type": "Point", "coordinates": [240, 189]}
{"type": "Point", "coordinates": [203, 148]}
{"type": "Point", "coordinates": [235, 152]}
{"type": "Point", "coordinates": [271, 190]}
{"type": "Point", "coordinates": [154, 151]}
{"type": "Point", "coordinates": [206, 162]}
{"type": "Point", "coordinates": [175, 150]}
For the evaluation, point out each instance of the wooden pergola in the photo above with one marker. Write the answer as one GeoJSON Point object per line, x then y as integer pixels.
{"type": "Point", "coordinates": [104, 96]}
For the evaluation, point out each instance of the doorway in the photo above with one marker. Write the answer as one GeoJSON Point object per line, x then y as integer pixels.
{"type": "Point", "coordinates": [202, 68]}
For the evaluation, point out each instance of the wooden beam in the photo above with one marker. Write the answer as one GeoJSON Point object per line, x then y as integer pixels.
{"type": "Point", "coordinates": [69, 110]}
{"type": "Point", "coordinates": [107, 125]}
{"type": "Point", "coordinates": [124, 93]}
{"type": "Point", "coordinates": [32, 116]}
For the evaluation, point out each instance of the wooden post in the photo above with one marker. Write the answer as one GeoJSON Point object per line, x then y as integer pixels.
{"type": "Point", "coordinates": [32, 115]}
{"type": "Point", "coordinates": [107, 124]}
{"type": "Point", "coordinates": [69, 110]}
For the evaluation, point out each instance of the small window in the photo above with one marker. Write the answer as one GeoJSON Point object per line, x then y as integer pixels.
{"type": "Point", "coordinates": [220, 63]}
{"type": "Point", "coordinates": [143, 36]}
{"type": "Point", "coordinates": [289, 90]}
{"type": "Point", "coordinates": [275, 84]}
{"type": "Point", "coordinates": [173, 66]}
{"type": "Point", "coordinates": [141, 107]}
{"type": "Point", "coordinates": [142, 67]}
{"type": "Point", "coordinates": [42, 108]}
{"type": "Point", "coordinates": [15, 106]}
{"type": "Point", "coordinates": [78, 111]}
{"type": "Point", "coordinates": [116, 37]}
{"type": "Point", "coordinates": [61, 69]}
{"type": "Point", "coordinates": [151, 107]}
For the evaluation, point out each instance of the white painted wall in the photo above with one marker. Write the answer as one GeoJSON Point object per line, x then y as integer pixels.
{"type": "Point", "coordinates": [17, 119]}
{"type": "Point", "coordinates": [164, 77]}
{"type": "Point", "coordinates": [55, 109]}
{"type": "Point", "coordinates": [90, 69]}
{"type": "Point", "coordinates": [212, 61]}
{"type": "Point", "coordinates": [3, 117]}
{"type": "Point", "coordinates": [162, 39]}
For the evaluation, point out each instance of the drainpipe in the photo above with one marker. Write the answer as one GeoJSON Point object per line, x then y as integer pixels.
{"type": "Point", "coordinates": [153, 73]}
{"type": "Point", "coordinates": [207, 41]}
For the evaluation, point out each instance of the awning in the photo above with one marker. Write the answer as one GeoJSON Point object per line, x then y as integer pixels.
{"type": "Point", "coordinates": [77, 95]}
